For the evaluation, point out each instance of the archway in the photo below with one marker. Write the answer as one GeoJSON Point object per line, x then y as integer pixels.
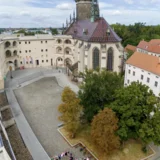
{"type": "Point", "coordinates": [67, 41]}
{"type": "Point", "coordinates": [7, 44]}
{"type": "Point", "coordinates": [110, 59]}
{"type": "Point", "coordinates": [59, 61]}
{"type": "Point", "coordinates": [15, 63]}
{"type": "Point", "coordinates": [59, 41]}
{"type": "Point", "coordinates": [8, 53]}
{"type": "Point", "coordinates": [59, 50]}
{"type": "Point", "coordinates": [15, 53]}
{"type": "Point", "coordinates": [67, 62]}
{"type": "Point", "coordinates": [68, 50]}
{"type": "Point", "coordinates": [96, 58]}
{"type": "Point", "coordinates": [14, 43]}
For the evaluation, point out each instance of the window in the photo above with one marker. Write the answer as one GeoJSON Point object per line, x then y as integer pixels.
{"type": "Point", "coordinates": [110, 59]}
{"type": "Point", "coordinates": [30, 62]}
{"type": "Point", "coordinates": [46, 55]}
{"type": "Point", "coordinates": [133, 73]}
{"type": "Point", "coordinates": [29, 50]}
{"type": "Point", "coordinates": [25, 42]}
{"type": "Point", "coordinates": [46, 60]}
{"type": "Point", "coordinates": [142, 77]}
{"type": "Point", "coordinates": [29, 42]}
{"type": "Point", "coordinates": [129, 71]}
{"type": "Point", "coordinates": [96, 61]}
{"type": "Point", "coordinates": [26, 62]}
{"type": "Point", "coordinates": [21, 62]}
{"type": "Point", "coordinates": [19, 51]}
{"type": "Point", "coordinates": [128, 81]}
{"type": "Point", "coordinates": [42, 61]}
{"type": "Point", "coordinates": [26, 51]}
{"type": "Point", "coordinates": [46, 41]}
{"type": "Point", "coordinates": [46, 50]}
{"type": "Point", "coordinates": [41, 50]}
{"type": "Point", "coordinates": [148, 80]}
{"type": "Point", "coordinates": [19, 42]}
{"type": "Point", "coordinates": [41, 41]}
{"type": "Point", "coordinates": [156, 84]}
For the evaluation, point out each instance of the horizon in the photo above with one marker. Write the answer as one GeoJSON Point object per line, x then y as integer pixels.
{"type": "Point", "coordinates": [53, 13]}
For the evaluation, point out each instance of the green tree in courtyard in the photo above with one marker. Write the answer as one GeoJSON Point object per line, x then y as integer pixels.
{"type": "Point", "coordinates": [133, 106]}
{"type": "Point", "coordinates": [103, 129]}
{"type": "Point", "coordinates": [97, 90]}
{"type": "Point", "coordinates": [71, 111]}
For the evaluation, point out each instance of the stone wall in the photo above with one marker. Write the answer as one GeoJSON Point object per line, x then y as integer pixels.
{"type": "Point", "coordinates": [84, 10]}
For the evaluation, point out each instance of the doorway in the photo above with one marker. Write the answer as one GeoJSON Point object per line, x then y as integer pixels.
{"type": "Point", "coordinates": [37, 62]}
{"type": "Point", "coordinates": [51, 62]}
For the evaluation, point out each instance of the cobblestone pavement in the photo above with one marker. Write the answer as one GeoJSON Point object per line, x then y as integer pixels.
{"type": "Point", "coordinates": [39, 102]}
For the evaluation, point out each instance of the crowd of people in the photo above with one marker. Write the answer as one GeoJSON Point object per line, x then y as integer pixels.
{"type": "Point", "coordinates": [67, 155]}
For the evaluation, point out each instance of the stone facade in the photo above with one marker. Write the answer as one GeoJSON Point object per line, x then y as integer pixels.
{"type": "Point", "coordinates": [84, 10]}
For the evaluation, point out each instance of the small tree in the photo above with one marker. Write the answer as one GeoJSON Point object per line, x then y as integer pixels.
{"type": "Point", "coordinates": [103, 128]}
{"type": "Point", "coordinates": [71, 111]}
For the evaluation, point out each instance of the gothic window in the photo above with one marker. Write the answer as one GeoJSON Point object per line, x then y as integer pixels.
{"type": "Point", "coordinates": [110, 59]}
{"type": "Point", "coordinates": [96, 58]}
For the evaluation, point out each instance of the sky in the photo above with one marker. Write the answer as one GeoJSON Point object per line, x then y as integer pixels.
{"type": "Point", "coordinates": [53, 13]}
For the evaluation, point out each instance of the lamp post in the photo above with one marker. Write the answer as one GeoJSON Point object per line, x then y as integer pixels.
{"type": "Point", "coordinates": [10, 68]}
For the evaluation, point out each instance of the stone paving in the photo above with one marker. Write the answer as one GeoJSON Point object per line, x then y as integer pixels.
{"type": "Point", "coordinates": [39, 102]}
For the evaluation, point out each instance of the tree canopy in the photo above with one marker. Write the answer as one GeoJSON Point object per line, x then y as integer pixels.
{"type": "Point", "coordinates": [70, 110]}
{"type": "Point", "coordinates": [133, 34]}
{"type": "Point", "coordinates": [133, 106]}
{"type": "Point", "coordinates": [103, 129]}
{"type": "Point", "coordinates": [98, 89]}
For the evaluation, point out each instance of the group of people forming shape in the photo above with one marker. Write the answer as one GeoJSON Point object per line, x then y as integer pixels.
{"type": "Point", "coordinates": [67, 156]}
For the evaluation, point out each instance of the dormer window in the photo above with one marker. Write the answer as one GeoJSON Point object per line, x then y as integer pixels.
{"type": "Point", "coordinates": [108, 32]}
{"type": "Point", "coordinates": [85, 31]}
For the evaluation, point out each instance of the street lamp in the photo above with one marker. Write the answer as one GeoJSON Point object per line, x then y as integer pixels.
{"type": "Point", "coordinates": [10, 68]}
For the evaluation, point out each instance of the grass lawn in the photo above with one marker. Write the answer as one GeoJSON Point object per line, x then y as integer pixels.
{"type": "Point", "coordinates": [131, 151]}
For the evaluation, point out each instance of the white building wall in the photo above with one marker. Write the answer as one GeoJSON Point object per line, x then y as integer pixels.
{"type": "Point", "coordinates": [129, 78]}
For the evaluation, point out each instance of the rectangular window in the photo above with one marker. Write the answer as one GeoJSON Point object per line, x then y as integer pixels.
{"type": "Point", "coordinates": [128, 81]}
{"type": "Point", "coordinates": [133, 73]}
{"type": "Point", "coordinates": [25, 42]}
{"type": "Point", "coordinates": [19, 42]}
{"type": "Point", "coordinates": [30, 62]}
{"type": "Point", "coordinates": [26, 51]}
{"type": "Point", "coordinates": [29, 42]}
{"type": "Point", "coordinates": [41, 41]}
{"type": "Point", "coordinates": [29, 50]}
{"type": "Point", "coordinates": [41, 50]}
{"type": "Point", "coordinates": [42, 61]}
{"type": "Point", "coordinates": [142, 77]}
{"type": "Point", "coordinates": [46, 41]}
{"type": "Point", "coordinates": [46, 60]}
{"type": "Point", "coordinates": [129, 71]}
{"type": "Point", "coordinates": [148, 80]}
{"type": "Point", "coordinates": [21, 62]}
{"type": "Point", "coordinates": [19, 51]}
{"type": "Point", "coordinates": [156, 84]}
{"type": "Point", "coordinates": [46, 50]}
{"type": "Point", "coordinates": [26, 62]}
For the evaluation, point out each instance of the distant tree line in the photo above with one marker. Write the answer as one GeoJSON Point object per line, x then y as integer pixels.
{"type": "Point", "coordinates": [133, 34]}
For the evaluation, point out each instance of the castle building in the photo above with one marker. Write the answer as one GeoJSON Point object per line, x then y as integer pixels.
{"type": "Point", "coordinates": [87, 41]}
{"type": "Point", "coordinates": [144, 66]}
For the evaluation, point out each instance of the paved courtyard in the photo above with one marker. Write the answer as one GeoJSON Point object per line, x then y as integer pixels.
{"type": "Point", "coordinates": [39, 102]}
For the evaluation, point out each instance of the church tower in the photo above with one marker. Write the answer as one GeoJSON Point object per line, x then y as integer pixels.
{"type": "Point", "coordinates": [87, 9]}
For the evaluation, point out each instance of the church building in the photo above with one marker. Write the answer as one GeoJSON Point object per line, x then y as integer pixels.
{"type": "Point", "coordinates": [87, 41]}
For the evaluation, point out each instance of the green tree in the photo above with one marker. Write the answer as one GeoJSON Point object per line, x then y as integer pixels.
{"type": "Point", "coordinates": [71, 111]}
{"type": "Point", "coordinates": [133, 106]}
{"type": "Point", "coordinates": [103, 129]}
{"type": "Point", "coordinates": [54, 31]}
{"type": "Point", "coordinates": [98, 89]}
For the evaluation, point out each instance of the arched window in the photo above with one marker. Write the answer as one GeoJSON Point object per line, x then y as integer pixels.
{"type": "Point", "coordinates": [8, 53]}
{"type": "Point", "coordinates": [59, 41]}
{"type": "Point", "coordinates": [7, 44]}
{"type": "Point", "coordinates": [96, 58]}
{"type": "Point", "coordinates": [110, 59]}
{"type": "Point", "coordinates": [68, 50]}
{"type": "Point", "coordinates": [14, 43]}
{"type": "Point", "coordinates": [67, 41]}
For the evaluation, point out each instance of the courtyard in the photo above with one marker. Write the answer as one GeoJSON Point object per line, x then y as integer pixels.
{"type": "Point", "coordinates": [39, 102]}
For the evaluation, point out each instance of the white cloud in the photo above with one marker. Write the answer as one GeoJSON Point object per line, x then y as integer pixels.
{"type": "Point", "coordinates": [105, 5]}
{"type": "Point", "coordinates": [129, 1]}
{"type": "Point", "coordinates": [65, 6]}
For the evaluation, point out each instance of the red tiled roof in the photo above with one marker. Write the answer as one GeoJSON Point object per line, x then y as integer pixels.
{"type": "Point", "coordinates": [152, 46]}
{"type": "Point", "coordinates": [96, 31]}
{"type": "Point", "coordinates": [130, 48]}
{"type": "Point", "coordinates": [146, 62]}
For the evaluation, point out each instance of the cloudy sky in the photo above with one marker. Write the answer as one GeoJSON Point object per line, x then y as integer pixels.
{"type": "Point", "coordinates": [46, 13]}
